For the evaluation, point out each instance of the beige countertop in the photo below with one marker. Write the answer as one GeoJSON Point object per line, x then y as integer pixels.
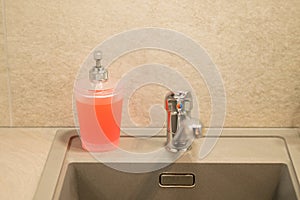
{"type": "Point", "coordinates": [23, 153]}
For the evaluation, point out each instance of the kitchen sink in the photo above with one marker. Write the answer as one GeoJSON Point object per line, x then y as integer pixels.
{"type": "Point", "coordinates": [208, 181]}
{"type": "Point", "coordinates": [243, 164]}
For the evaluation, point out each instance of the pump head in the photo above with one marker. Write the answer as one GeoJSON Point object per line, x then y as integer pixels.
{"type": "Point", "coordinates": [98, 73]}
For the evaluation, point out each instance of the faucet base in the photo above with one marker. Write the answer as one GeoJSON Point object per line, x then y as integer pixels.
{"type": "Point", "coordinates": [176, 149]}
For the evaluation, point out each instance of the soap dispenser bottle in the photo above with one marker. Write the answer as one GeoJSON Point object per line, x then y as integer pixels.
{"type": "Point", "coordinates": [99, 108]}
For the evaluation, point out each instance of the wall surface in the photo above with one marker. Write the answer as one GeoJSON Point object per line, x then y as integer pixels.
{"type": "Point", "coordinates": [254, 44]}
{"type": "Point", "coordinates": [4, 92]}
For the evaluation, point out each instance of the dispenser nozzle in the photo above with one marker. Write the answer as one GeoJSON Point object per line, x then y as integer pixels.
{"type": "Point", "coordinates": [98, 57]}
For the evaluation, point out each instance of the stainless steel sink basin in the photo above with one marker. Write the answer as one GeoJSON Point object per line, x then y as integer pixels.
{"type": "Point", "coordinates": [244, 164]}
{"type": "Point", "coordinates": [211, 181]}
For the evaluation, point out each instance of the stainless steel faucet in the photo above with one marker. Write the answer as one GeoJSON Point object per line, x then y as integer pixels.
{"type": "Point", "coordinates": [181, 128]}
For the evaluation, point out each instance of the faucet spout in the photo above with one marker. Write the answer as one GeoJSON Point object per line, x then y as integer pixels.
{"type": "Point", "coordinates": [181, 128]}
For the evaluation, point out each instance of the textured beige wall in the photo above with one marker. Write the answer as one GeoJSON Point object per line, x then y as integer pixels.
{"type": "Point", "coordinates": [4, 100]}
{"type": "Point", "coordinates": [255, 45]}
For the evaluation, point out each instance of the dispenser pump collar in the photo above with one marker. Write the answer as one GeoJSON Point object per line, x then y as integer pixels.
{"type": "Point", "coordinates": [98, 73]}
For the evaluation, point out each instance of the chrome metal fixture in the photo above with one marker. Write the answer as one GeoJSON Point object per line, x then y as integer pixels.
{"type": "Point", "coordinates": [181, 128]}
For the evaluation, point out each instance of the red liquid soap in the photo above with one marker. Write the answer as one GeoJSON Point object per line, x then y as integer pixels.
{"type": "Point", "coordinates": [99, 116]}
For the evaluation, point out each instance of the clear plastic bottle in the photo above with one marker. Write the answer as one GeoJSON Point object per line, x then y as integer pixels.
{"type": "Point", "coordinates": [99, 108]}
